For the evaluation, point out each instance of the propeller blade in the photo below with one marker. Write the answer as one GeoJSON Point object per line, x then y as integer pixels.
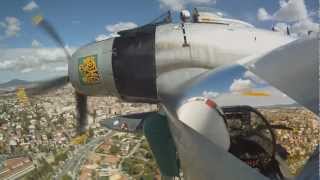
{"type": "Point", "coordinates": [51, 31]}
{"type": "Point", "coordinates": [46, 86]}
{"type": "Point", "coordinates": [81, 110]}
{"type": "Point", "coordinates": [81, 100]}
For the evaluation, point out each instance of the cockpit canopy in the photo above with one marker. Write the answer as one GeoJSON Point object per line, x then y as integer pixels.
{"type": "Point", "coordinates": [205, 14]}
{"type": "Point", "coordinates": [215, 16]}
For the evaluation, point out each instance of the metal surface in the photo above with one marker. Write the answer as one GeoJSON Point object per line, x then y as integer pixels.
{"type": "Point", "coordinates": [202, 115]}
{"type": "Point", "coordinates": [134, 69]}
{"type": "Point", "coordinates": [293, 69]}
{"type": "Point", "coordinates": [194, 134]}
{"type": "Point", "coordinates": [216, 84]}
{"type": "Point", "coordinates": [132, 122]}
{"type": "Point", "coordinates": [161, 51]}
{"type": "Point", "coordinates": [141, 65]}
{"type": "Point", "coordinates": [203, 160]}
{"type": "Point", "coordinates": [210, 45]}
{"type": "Point", "coordinates": [156, 130]}
{"type": "Point", "coordinates": [103, 52]}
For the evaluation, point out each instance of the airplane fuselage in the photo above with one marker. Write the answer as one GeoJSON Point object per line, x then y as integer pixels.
{"type": "Point", "coordinates": [146, 64]}
{"type": "Point", "coordinates": [142, 58]}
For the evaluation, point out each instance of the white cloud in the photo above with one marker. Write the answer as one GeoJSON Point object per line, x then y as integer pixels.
{"type": "Point", "coordinates": [253, 77]}
{"type": "Point", "coordinates": [276, 98]}
{"type": "Point", "coordinates": [35, 44]}
{"type": "Point", "coordinates": [177, 5]}
{"type": "Point", "coordinates": [102, 37]}
{"type": "Point", "coordinates": [30, 6]}
{"type": "Point", "coordinates": [27, 70]}
{"type": "Point", "coordinates": [210, 94]}
{"type": "Point", "coordinates": [302, 27]}
{"type": "Point", "coordinates": [11, 26]}
{"type": "Point", "coordinates": [61, 68]}
{"type": "Point", "coordinates": [293, 10]}
{"type": "Point", "coordinates": [299, 28]}
{"type": "Point", "coordinates": [241, 85]}
{"type": "Point", "coordinates": [263, 14]}
{"type": "Point", "coordinates": [281, 27]}
{"type": "Point", "coordinates": [27, 60]}
{"type": "Point", "coordinates": [113, 28]}
{"type": "Point", "coordinates": [294, 13]}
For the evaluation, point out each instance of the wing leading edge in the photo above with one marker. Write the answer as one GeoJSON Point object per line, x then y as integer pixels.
{"type": "Point", "coordinates": [293, 69]}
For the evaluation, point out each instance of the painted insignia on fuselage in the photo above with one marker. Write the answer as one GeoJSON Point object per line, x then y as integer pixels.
{"type": "Point", "coordinates": [88, 70]}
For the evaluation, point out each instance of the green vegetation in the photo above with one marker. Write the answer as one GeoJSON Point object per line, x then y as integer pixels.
{"type": "Point", "coordinates": [130, 166]}
{"type": "Point", "coordinates": [114, 149]}
{"type": "Point", "coordinates": [66, 177]}
{"type": "Point", "coordinates": [137, 167]}
{"type": "Point", "coordinates": [43, 171]}
{"type": "Point", "coordinates": [60, 156]}
{"type": "Point", "coordinates": [145, 145]}
{"type": "Point", "coordinates": [103, 178]}
{"type": "Point", "coordinates": [90, 133]}
{"type": "Point", "coordinates": [147, 177]}
{"type": "Point", "coordinates": [115, 137]}
{"type": "Point", "coordinates": [100, 150]}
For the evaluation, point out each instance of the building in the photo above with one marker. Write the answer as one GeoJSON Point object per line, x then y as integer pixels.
{"type": "Point", "coordinates": [86, 174]}
{"type": "Point", "coordinates": [16, 168]}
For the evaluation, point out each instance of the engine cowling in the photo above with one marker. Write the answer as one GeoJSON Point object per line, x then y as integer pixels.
{"type": "Point", "coordinates": [90, 69]}
{"type": "Point", "coordinates": [123, 66]}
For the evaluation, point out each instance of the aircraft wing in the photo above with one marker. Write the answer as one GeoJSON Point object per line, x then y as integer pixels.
{"type": "Point", "coordinates": [289, 71]}
{"type": "Point", "coordinates": [293, 69]}
{"type": "Point", "coordinates": [132, 123]}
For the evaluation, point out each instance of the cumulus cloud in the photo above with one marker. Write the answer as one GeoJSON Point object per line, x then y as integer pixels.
{"type": "Point", "coordinates": [281, 27]}
{"type": "Point", "coordinates": [35, 44]}
{"type": "Point", "coordinates": [241, 85]}
{"type": "Point", "coordinates": [30, 6]}
{"type": "Point", "coordinates": [102, 37]}
{"type": "Point", "coordinates": [112, 30]}
{"type": "Point", "coordinates": [26, 70]}
{"type": "Point", "coordinates": [11, 25]}
{"type": "Point", "coordinates": [210, 94]}
{"type": "Point", "coordinates": [293, 10]}
{"type": "Point", "coordinates": [177, 5]}
{"type": "Point", "coordinates": [25, 60]}
{"type": "Point", "coordinates": [276, 98]}
{"type": "Point", "coordinates": [304, 26]}
{"type": "Point", "coordinates": [253, 77]}
{"type": "Point", "coordinates": [294, 13]}
{"type": "Point", "coordinates": [263, 14]}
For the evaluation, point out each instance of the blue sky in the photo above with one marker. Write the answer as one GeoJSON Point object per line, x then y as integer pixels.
{"type": "Point", "coordinates": [80, 22]}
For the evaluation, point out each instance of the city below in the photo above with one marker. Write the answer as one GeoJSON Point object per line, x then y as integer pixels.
{"type": "Point", "coordinates": [38, 139]}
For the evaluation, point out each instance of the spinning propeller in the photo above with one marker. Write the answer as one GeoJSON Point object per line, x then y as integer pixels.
{"type": "Point", "coordinates": [45, 86]}
{"type": "Point", "coordinates": [81, 99]}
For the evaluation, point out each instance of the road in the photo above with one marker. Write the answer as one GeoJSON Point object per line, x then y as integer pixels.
{"type": "Point", "coordinates": [72, 166]}
{"type": "Point", "coordinates": [134, 149]}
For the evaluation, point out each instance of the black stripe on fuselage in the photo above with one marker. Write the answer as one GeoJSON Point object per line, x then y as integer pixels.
{"type": "Point", "coordinates": [133, 64]}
